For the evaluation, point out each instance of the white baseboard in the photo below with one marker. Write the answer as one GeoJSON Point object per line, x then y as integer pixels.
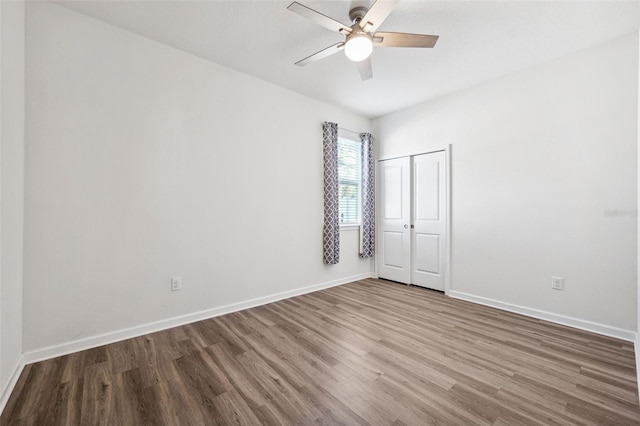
{"type": "Point", "coordinates": [594, 327]}
{"type": "Point", "coordinates": [128, 333]}
{"type": "Point", "coordinates": [11, 383]}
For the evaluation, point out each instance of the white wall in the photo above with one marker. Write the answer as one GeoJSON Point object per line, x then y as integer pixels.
{"type": "Point", "coordinates": [143, 163]}
{"type": "Point", "coordinates": [11, 186]}
{"type": "Point", "coordinates": [538, 156]}
{"type": "Point", "coordinates": [637, 343]}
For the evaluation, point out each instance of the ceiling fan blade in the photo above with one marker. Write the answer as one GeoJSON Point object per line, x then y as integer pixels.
{"type": "Point", "coordinates": [321, 54]}
{"type": "Point", "coordinates": [377, 14]}
{"type": "Point", "coordinates": [365, 69]}
{"type": "Point", "coordinates": [381, 39]}
{"type": "Point", "coordinates": [319, 18]}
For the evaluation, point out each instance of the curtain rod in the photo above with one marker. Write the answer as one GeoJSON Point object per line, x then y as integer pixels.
{"type": "Point", "coordinates": [347, 130]}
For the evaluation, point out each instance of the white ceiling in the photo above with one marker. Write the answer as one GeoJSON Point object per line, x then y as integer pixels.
{"type": "Point", "coordinates": [479, 40]}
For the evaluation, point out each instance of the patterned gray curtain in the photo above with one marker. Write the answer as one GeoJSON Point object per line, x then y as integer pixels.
{"type": "Point", "coordinates": [331, 230]}
{"type": "Point", "coordinates": [368, 197]}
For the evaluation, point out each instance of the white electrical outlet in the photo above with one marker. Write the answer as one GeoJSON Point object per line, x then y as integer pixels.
{"type": "Point", "coordinates": [176, 283]}
{"type": "Point", "coordinates": [557, 283]}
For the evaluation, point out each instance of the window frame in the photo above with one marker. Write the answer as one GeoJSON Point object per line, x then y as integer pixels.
{"type": "Point", "coordinates": [358, 223]}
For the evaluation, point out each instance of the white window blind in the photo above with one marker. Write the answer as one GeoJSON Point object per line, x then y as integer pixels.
{"type": "Point", "coordinates": [349, 181]}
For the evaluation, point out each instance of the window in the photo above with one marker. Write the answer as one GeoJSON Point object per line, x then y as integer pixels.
{"type": "Point", "coordinates": [349, 181]}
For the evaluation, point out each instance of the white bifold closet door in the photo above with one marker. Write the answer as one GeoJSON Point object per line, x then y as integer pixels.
{"type": "Point", "coordinates": [395, 236]}
{"type": "Point", "coordinates": [413, 220]}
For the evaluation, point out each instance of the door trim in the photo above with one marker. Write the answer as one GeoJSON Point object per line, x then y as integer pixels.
{"type": "Point", "coordinates": [447, 159]}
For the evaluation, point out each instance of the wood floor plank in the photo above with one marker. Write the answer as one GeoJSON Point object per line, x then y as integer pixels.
{"type": "Point", "coordinates": [365, 353]}
{"type": "Point", "coordinates": [234, 410]}
{"type": "Point", "coordinates": [97, 396]}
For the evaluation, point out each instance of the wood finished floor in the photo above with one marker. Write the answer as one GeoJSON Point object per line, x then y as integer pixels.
{"type": "Point", "coordinates": [370, 352]}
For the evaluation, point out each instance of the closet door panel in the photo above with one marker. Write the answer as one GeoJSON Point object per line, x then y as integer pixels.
{"type": "Point", "coordinates": [429, 247]}
{"type": "Point", "coordinates": [394, 258]}
{"type": "Point", "coordinates": [428, 218]}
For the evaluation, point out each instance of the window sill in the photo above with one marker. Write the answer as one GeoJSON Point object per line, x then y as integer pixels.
{"type": "Point", "coordinates": [350, 226]}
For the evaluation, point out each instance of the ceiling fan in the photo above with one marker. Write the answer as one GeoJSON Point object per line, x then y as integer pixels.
{"type": "Point", "coordinates": [361, 36]}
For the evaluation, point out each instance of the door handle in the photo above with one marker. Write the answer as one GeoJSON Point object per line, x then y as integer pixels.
{"type": "Point", "coordinates": [406, 226]}
{"type": "Point", "coordinates": [412, 226]}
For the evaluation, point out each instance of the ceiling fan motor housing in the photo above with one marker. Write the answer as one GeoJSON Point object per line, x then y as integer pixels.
{"type": "Point", "coordinates": [358, 45]}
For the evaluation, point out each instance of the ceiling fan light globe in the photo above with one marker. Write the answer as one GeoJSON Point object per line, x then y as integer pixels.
{"type": "Point", "coordinates": [358, 48]}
